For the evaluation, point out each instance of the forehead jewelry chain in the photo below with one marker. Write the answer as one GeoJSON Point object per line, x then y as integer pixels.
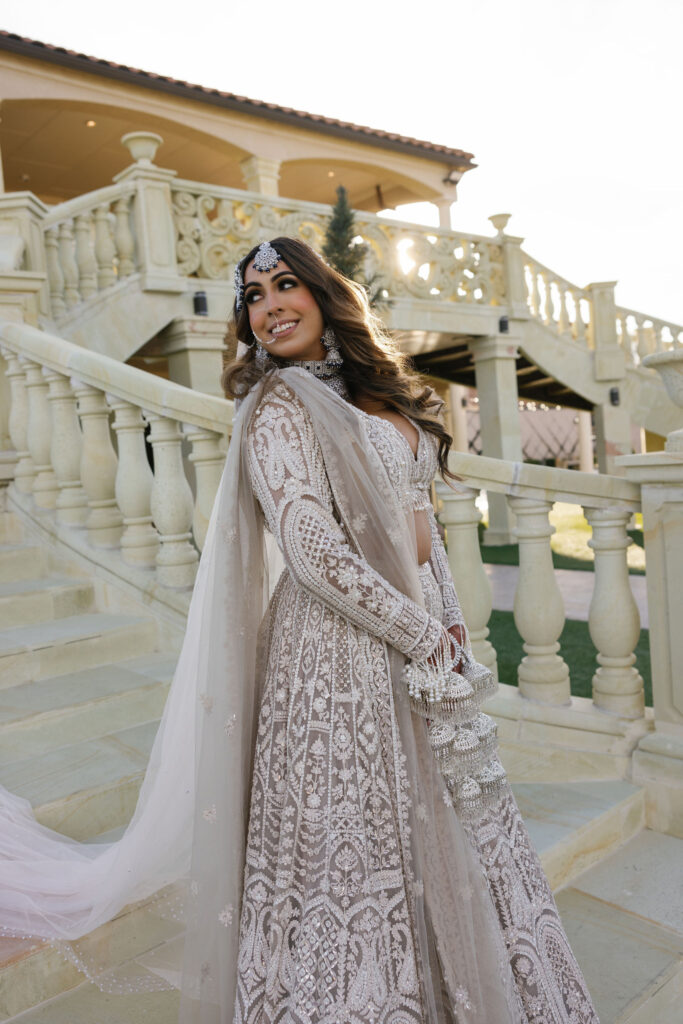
{"type": "Point", "coordinates": [265, 260]}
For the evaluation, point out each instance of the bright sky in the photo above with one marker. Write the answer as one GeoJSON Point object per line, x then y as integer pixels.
{"type": "Point", "coordinates": [571, 107]}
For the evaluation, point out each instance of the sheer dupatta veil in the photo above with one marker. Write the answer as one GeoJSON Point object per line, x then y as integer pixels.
{"type": "Point", "coordinates": [189, 827]}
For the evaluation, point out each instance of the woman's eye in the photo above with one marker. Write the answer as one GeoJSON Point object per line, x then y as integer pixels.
{"type": "Point", "coordinates": [252, 297]}
{"type": "Point", "coordinates": [288, 282]}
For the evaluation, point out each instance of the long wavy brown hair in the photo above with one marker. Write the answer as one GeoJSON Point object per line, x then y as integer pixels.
{"type": "Point", "coordinates": [373, 368]}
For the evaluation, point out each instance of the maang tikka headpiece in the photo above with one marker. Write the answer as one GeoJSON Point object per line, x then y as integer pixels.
{"type": "Point", "coordinates": [265, 260]}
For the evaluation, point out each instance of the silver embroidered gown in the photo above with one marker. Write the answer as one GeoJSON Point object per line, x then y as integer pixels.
{"type": "Point", "coordinates": [324, 930]}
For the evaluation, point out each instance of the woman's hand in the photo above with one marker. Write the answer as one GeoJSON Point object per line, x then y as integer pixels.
{"type": "Point", "coordinates": [459, 634]}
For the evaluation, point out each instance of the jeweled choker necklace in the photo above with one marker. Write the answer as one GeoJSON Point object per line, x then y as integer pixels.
{"type": "Point", "coordinates": [325, 372]}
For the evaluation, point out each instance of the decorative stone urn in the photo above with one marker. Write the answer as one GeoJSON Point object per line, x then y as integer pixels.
{"type": "Point", "coordinates": [142, 146]}
{"type": "Point", "coordinates": [669, 365]}
{"type": "Point", "coordinates": [500, 221]}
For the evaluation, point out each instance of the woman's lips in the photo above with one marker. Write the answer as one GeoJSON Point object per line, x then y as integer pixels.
{"type": "Point", "coordinates": [286, 332]}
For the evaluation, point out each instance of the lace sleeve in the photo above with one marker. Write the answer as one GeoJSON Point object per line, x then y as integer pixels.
{"type": "Point", "coordinates": [289, 480]}
{"type": "Point", "coordinates": [452, 613]}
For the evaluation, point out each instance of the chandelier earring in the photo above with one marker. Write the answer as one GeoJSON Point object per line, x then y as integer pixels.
{"type": "Point", "coordinates": [329, 340]}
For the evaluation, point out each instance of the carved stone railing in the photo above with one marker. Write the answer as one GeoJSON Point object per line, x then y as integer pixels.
{"type": "Point", "coordinates": [89, 246]}
{"type": "Point", "coordinates": [642, 335]}
{"type": "Point", "coordinates": [217, 226]}
{"type": "Point", "coordinates": [67, 405]}
{"type": "Point", "coordinates": [613, 618]}
{"type": "Point", "coordinates": [562, 306]}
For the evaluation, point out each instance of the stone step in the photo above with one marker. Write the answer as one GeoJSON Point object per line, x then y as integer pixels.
{"type": "Point", "coordinates": [58, 711]}
{"type": "Point", "coordinates": [574, 825]}
{"type": "Point", "coordinates": [624, 920]}
{"type": "Point", "coordinates": [37, 979]}
{"type": "Point", "coordinates": [25, 602]}
{"type": "Point", "coordinates": [22, 562]}
{"type": "Point", "coordinates": [66, 645]}
{"type": "Point", "coordinates": [85, 788]}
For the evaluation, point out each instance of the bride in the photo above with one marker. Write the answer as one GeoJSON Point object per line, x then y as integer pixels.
{"type": "Point", "coordinates": [323, 784]}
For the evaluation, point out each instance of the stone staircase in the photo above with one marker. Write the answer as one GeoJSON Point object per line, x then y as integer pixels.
{"type": "Point", "coordinates": [82, 684]}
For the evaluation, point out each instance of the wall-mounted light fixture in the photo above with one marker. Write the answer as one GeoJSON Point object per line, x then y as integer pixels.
{"type": "Point", "coordinates": [504, 325]}
{"type": "Point", "coordinates": [200, 304]}
{"type": "Point", "coordinates": [614, 396]}
{"type": "Point", "coordinates": [90, 123]}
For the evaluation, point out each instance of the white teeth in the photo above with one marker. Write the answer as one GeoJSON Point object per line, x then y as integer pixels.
{"type": "Point", "coordinates": [282, 327]}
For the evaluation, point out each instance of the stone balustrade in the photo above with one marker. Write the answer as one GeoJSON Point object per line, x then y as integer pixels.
{"type": "Point", "coordinates": [613, 619]}
{"type": "Point", "coordinates": [105, 449]}
{"type": "Point", "coordinates": [562, 306]}
{"type": "Point", "coordinates": [641, 335]}
{"type": "Point", "coordinates": [89, 246]}
{"type": "Point", "coordinates": [78, 424]}
{"type": "Point", "coordinates": [175, 234]}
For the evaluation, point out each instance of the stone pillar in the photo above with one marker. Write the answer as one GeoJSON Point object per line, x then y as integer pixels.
{"type": "Point", "coordinates": [21, 242]}
{"type": "Point", "coordinates": [496, 377]}
{"type": "Point", "coordinates": [658, 761]}
{"type": "Point", "coordinates": [444, 205]}
{"type": "Point", "coordinates": [612, 421]}
{"type": "Point", "coordinates": [261, 174]}
{"type": "Point", "coordinates": [153, 226]}
{"type": "Point", "coordinates": [586, 453]}
{"type": "Point", "coordinates": [457, 399]}
{"type": "Point", "coordinates": [195, 346]}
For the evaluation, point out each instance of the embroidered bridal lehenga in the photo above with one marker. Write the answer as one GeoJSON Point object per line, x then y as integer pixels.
{"type": "Point", "coordinates": [358, 880]}
{"type": "Point", "coordinates": [342, 837]}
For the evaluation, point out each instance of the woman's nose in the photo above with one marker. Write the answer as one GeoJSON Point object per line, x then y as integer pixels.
{"type": "Point", "coordinates": [272, 302]}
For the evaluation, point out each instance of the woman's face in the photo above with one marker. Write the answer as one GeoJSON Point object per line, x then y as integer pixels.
{"type": "Point", "coordinates": [283, 314]}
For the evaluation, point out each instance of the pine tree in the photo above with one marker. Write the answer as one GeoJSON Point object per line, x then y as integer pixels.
{"type": "Point", "coordinates": [338, 249]}
{"type": "Point", "coordinates": [344, 256]}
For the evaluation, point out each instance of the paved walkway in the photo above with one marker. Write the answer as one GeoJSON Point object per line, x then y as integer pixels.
{"type": "Point", "coordinates": [575, 586]}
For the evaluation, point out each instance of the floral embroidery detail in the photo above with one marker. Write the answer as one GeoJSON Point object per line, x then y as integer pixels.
{"type": "Point", "coordinates": [194, 887]}
{"type": "Point", "coordinates": [462, 998]}
{"type": "Point", "coordinates": [205, 971]}
{"type": "Point", "coordinates": [206, 702]}
{"type": "Point", "coordinates": [358, 522]}
{"type": "Point", "coordinates": [229, 725]}
{"type": "Point", "coordinates": [225, 916]}
{"type": "Point", "coordinates": [209, 814]}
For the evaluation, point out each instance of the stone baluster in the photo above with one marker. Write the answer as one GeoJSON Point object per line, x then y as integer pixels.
{"type": "Point", "coordinates": [85, 256]}
{"type": "Point", "coordinates": [39, 436]}
{"type": "Point", "coordinates": [535, 292]}
{"type": "Point", "coordinates": [98, 468]}
{"type": "Point", "coordinates": [172, 505]}
{"type": "Point", "coordinates": [538, 606]}
{"type": "Point", "coordinates": [548, 316]}
{"type": "Point", "coordinates": [65, 450]}
{"type": "Point", "coordinates": [67, 259]}
{"type": "Point", "coordinates": [563, 318]}
{"type": "Point", "coordinates": [54, 273]}
{"type": "Point", "coordinates": [460, 516]}
{"type": "Point", "coordinates": [123, 237]}
{"type": "Point", "coordinates": [579, 322]}
{"type": "Point", "coordinates": [208, 462]}
{"type": "Point", "coordinates": [613, 617]}
{"type": "Point", "coordinates": [134, 479]}
{"type": "Point", "coordinates": [24, 471]}
{"type": "Point", "coordinates": [644, 341]}
{"type": "Point", "coordinates": [105, 250]}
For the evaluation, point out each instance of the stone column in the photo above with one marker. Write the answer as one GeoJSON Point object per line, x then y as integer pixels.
{"type": "Point", "coordinates": [496, 377]}
{"type": "Point", "coordinates": [457, 399]}
{"type": "Point", "coordinates": [586, 453]}
{"type": "Point", "coordinates": [612, 421]}
{"type": "Point", "coordinates": [194, 346]}
{"type": "Point", "coordinates": [444, 205]}
{"type": "Point", "coordinates": [21, 241]}
{"type": "Point", "coordinates": [658, 761]}
{"type": "Point", "coordinates": [153, 226]}
{"type": "Point", "coordinates": [261, 174]}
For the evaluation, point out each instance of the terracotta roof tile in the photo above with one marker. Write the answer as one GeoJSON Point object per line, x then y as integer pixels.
{"type": "Point", "coordinates": [58, 54]}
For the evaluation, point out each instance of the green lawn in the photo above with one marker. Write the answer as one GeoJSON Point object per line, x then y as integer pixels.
{"type": "Point", "coordinates": [569, 543]}
{"type": "Point", "coordinates": [576, 647]}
